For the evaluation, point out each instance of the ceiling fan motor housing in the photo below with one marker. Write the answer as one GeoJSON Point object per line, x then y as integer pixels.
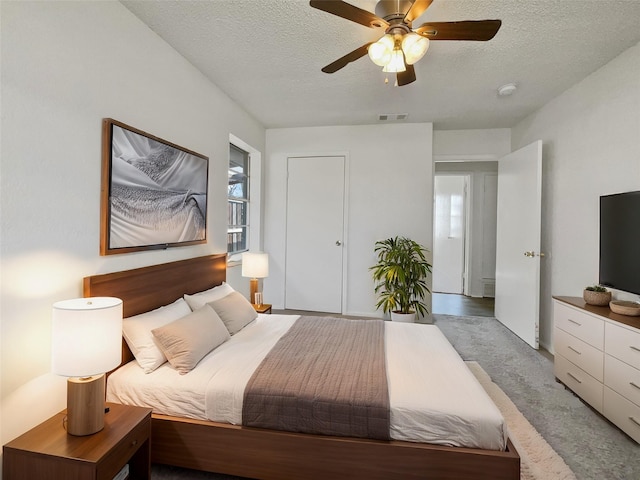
{"type": "Point", "coordinates": [393, 9]}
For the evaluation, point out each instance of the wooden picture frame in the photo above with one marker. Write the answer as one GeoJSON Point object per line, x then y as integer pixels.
{"type": "Point", "coordinates": [153, 194]}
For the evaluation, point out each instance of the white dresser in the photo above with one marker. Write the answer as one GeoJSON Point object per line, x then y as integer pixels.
{"type": "Point", "coordinates": [597, 356]}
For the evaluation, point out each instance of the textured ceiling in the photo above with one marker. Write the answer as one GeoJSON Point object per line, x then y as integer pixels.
{"type": "Point", "coordinates": [267, 56]}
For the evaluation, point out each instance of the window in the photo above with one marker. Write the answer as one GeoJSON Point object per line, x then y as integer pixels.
{"type": "Point", "coordinates": [238, 194]}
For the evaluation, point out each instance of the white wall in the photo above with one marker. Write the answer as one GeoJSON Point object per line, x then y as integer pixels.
{"type": "Point", "coordinates": [471, 145]}
{"type": "Point", "coordinates": [591, 147]}
{"type": "Point", "coordinates": [65, 66]}
{"type": "Point", "coordinates": [390, 192]}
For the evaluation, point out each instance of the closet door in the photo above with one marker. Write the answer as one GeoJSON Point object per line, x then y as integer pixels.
{"type": "Point", "coordinates": [315, 226]}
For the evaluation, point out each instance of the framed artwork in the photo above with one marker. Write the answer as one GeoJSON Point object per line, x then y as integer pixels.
{"type": "Point", "coordinates": [154, 193]}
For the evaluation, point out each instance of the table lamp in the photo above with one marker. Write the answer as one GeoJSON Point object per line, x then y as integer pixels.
{"type": "Point", "coordinates": [86, 343]}
{"type": "Point", "coordinates": [255, 265]}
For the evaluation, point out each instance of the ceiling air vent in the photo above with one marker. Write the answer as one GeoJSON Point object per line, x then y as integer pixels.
{"type": "Point", "coordinates": [392, 117]}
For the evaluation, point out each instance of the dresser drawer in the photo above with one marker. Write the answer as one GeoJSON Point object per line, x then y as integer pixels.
{"type": "Point", "coordinates": [580, 382]}
{"type": "Point", "coordinates": [623, 413]}
{"type": "Point", "coordinates": [623, 343]}
{"type": "Point", "coordinates": [622, 378]}
{"type": "Point", "coordinates": [580, 353]}
{"type": "Point", "coordinates": [586, 327]}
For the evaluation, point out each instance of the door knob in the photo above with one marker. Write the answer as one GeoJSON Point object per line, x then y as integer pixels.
{"type": "Point", "coordinates": [338, 243]}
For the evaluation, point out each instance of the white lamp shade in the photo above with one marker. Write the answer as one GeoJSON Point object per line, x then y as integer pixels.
{"type": "Point", "coordinates": [86, 336]}
{"type": "Point", "coordinates": [255, 264]}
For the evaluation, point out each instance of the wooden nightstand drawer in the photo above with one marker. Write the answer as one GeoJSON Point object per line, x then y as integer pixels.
{"type": "Point", "coordinates": [623, 343]}
{"type": "Point", "coordinates": [580, 353]}
{"type": "Point", "coordinates": [581, 325]}
{"type": "Point", "coordinates": [49, 452]}
{"type": "Point", "coordinates": [124, 450]}
{"type": "Point", "coordinates": [583, 384]}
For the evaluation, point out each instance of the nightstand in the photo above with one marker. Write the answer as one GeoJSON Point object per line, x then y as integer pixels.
{"type": "Point", "coordinates": [264, 308]}
{"type": "Point", "coordinates": [47, 452]}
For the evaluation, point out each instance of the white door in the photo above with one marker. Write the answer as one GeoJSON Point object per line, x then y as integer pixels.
{"type": "Point", "coordinates": [517, 302]}
{"type": "Point", "coordinates": [449, 233]}
{"type": "Point", "coordinates": [315, 225]}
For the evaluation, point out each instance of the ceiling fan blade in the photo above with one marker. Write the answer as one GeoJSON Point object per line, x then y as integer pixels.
{"type": "Point", "coordinates": [349, 12]}
{"type": "Point", "coordinates": [478, 30]}
{"type": "Point", "coordinates": [417, 9]}
{"type": "Point", "coordinates": [348, 58]}
{"type": "Point", "coordinates": [406, 77]}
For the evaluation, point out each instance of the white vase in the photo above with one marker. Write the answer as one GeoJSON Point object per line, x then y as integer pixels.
{"type": "Point", "coordinates": [403, 317]}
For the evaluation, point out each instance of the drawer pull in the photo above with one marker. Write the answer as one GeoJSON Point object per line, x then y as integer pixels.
{"type": "Point", "coordinates": [134, 443]}
{"type": "Point", "coordinates": [574, 322]}
{"type": "Point", "coordinates": [573, 349]}
{"type": "Point", "coordinates": [634, 421]}
{"type": "Point", "coordinates": [634, 348]}
{"type": "Point", "coordinates": [576, 379]}
{"type": "Point", "coordinates": [634, 385]}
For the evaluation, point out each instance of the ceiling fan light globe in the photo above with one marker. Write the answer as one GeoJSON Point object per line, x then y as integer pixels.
{"type": "Point", "coordinates": [388, 41]}
{"type": "Point", "coordinates": [414, 47]}
{"type": "Point", "coordinates": [396, 64]}
{"type": "Point", "coordinates": [379, 53]}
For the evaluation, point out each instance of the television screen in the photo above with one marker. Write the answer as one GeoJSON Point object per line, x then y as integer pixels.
{"type": "Point", "coordinates": [620, 241]}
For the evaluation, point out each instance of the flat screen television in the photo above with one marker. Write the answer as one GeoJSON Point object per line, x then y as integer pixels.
{"type": "Point", "coordinates": [620, 241]}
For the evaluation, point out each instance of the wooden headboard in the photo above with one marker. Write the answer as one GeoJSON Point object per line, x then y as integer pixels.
{"type": "Point", "coordinates": [147, 288]}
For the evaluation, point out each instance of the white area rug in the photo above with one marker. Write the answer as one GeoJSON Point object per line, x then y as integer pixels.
{"type": "Point", "coordinates": [538, 461]}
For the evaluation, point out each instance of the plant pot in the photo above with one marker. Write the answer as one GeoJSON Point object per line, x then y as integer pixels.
{"type": "Point", "coordinates": [596, 298]}
{"type": "Point", "coordinates": [403, 317]}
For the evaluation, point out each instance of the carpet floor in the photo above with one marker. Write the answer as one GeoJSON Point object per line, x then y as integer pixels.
{"type": "Point", "coordinates": [593, 448]}
{"type": "Point", "coordinates": [538, 461]}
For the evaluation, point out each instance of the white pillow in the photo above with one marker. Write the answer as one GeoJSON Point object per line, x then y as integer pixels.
{"type": "Point", "coordinates": [187, 340]}
{"type": "Point", "coordinates": [199, 300]}
{"type": "Point", "coordinates": [137, 333]}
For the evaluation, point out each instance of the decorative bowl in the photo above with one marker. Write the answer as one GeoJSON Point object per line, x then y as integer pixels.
{"type": "Point", "coordinates": [596, 298]}
{"type": "Point", "coordinates": [624, 307]}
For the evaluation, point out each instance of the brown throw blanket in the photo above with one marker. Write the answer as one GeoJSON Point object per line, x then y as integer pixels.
{"type": "Point", "coordinates": [324, 376]}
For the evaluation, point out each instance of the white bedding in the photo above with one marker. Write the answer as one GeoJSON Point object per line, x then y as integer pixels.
{"type": "Point", "coordinates": [434, 397]}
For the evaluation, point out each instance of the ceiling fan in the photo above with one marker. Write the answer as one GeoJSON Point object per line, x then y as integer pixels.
{"type": "Point", "coordinates": [401, 45]}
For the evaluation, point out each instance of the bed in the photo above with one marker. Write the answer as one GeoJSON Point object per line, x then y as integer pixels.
{"type": "Point", "coordinates": [273, 454]}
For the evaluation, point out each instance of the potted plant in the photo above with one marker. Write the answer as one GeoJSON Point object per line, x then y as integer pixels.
{"type": "Point", "coordinates": [400, 276]}
{"type": "Point", "coordinates": [596, 295]}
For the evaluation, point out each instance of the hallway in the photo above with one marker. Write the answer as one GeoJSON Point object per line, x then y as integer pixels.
{"type": "Point", "coordinates": [451, 304]}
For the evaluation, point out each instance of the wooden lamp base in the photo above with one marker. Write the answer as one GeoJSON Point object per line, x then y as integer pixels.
{"type": "Point", "coordinates": [253, 289]}
{"type": "Point", "coordinates": [85, 405]}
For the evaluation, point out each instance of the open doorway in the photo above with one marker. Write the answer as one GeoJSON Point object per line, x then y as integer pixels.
{"type": "Point", "coordinates": [465, 203]}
